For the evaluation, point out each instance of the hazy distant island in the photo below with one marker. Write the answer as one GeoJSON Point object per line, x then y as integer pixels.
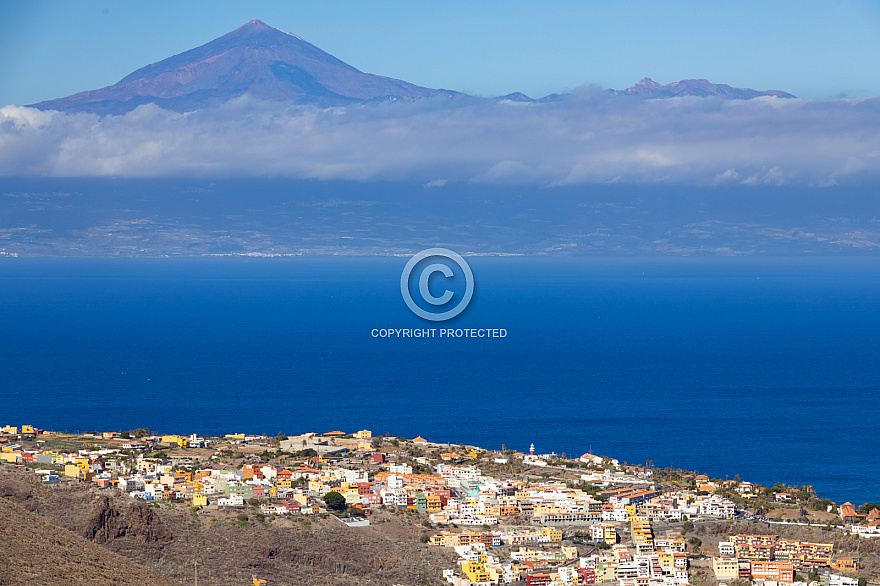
{"type": "Point", "coordinates": [259, 143]}
{"type": "Point", "coordinates": [269, 64]}
{"type": "Point", "coordinates": [277, 217]}
{"type": "Point", "coordinates": [354, 508]}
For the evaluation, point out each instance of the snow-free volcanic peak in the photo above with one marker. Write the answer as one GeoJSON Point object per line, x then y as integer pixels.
{"type": "Point", "coordinates": [255, 59]}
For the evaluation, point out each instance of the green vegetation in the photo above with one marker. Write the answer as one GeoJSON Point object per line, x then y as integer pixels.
{"type": "Point", "coordinates": [334, 501]}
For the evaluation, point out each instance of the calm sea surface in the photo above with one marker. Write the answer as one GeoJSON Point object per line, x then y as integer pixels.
{"type": "Point", "coordinates": [768, 369]}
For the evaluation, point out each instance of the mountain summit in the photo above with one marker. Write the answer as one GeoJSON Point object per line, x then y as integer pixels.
{"type": "Point", "coordinates": [256, 59]}
{"type": "Point", "coordinates": [273, 65]}
{"type": "Point", "coordinates": [648, 88]}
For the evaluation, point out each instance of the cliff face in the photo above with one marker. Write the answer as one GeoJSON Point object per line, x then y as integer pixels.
{"type": "Point", "coordinates": [107, 523]}
{"type": "Point", "coordinates": [144, 524]}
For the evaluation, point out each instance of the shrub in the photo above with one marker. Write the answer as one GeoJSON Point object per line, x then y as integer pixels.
{"type": "Point", "coordinates": [335, 501]}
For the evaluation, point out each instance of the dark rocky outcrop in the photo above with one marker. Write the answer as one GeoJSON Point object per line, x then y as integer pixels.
{"type": "Point", "coordinates": [106, 523]}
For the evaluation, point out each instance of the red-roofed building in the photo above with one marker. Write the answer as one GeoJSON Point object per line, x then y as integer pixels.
{"type": "Point", "coordinates": [849, 514]}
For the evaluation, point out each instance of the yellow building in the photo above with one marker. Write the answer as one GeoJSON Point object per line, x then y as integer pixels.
{"type": "Point", "coordinates": [174, 439]}
{"type": "Point", "coordinates": [643, 536]}
{"type": "Point", "coordinates": [200, 500]}
{"type": "Point", "coordinates": [606, 572]}
{"type": "Point", "coordinates": [540, 510]}
{"type": "Point", "coordinates": [726, 569]}
{"type": "Point", "coordinates": [434, 503]}
{"type": "Point", "coordinates": [75, 471]}
{"type": "Point", "coordinates": [609, 533]}
{"type": "Point", "coordinates": [667, 562]}
{"type": "Point", "coordinates": [10, 429]}
{"type": "Point", "coordinates": [11, 457]}
{"type": "Point", "coordinates": [676, 544]}
{"type": "Point", "coordinates": [302, 499]}
{"type": "Point", "coordinates": [364, 434]}
{"type": "Point", "coordinates": [27, 429]}
{"type": "Point", "coordinates": [553, 534]}
{"type": "Point", "coordinates": [475, 571]}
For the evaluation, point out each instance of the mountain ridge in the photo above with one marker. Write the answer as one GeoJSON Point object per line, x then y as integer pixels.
{"type": "Point", "coordinates": [274, 65]}
{"type": "Point", "coordinates": [648, 88]}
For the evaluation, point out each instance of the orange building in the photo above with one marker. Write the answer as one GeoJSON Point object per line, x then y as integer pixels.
{"type": "Point", "coordinates": [845, 565]}
{"type": "Point", "coordinates": [779, 571]}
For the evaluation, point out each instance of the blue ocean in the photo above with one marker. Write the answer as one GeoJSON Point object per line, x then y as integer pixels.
{"type": "Point", "coordinates": [764, 368]}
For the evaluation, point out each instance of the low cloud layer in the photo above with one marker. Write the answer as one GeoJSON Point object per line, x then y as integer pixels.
{"type": "Point", "coordinates": [586, 137]}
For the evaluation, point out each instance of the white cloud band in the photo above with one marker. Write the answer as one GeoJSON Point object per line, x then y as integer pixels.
{"type": "Point", "coordinates": [587, 137]}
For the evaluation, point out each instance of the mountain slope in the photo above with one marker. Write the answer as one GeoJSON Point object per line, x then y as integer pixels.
{"type": "Point", "coordinates": [648, 88]}
{"type": "Point", "coordinates": [36, 552]}
{"type": "Point", "coordinates": [256, 59]}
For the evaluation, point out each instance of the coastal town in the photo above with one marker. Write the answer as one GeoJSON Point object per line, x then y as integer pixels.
{"type": "Point", "coordinates": [499, 516]}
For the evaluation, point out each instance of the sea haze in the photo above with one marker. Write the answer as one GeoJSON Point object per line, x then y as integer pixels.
{"type": "Point", "coordinates": [191, 217]}
{"type": "Point", "coordinates": [763, 368]}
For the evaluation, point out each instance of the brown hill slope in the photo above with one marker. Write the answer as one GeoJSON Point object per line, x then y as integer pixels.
{"type": "Point", "coordinates": [36, 552]}
{"type": "Point", "coordinates": [171, 537]}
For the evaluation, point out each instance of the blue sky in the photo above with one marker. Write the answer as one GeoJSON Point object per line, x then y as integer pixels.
{"type": "Point", "coordinates": [821, 50]}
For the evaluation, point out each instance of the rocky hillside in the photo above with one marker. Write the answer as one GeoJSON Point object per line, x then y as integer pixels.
{"type": "Point", "coordinates": [227, 547]}
{"type": "Point", "coordinates": [35, 551]}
